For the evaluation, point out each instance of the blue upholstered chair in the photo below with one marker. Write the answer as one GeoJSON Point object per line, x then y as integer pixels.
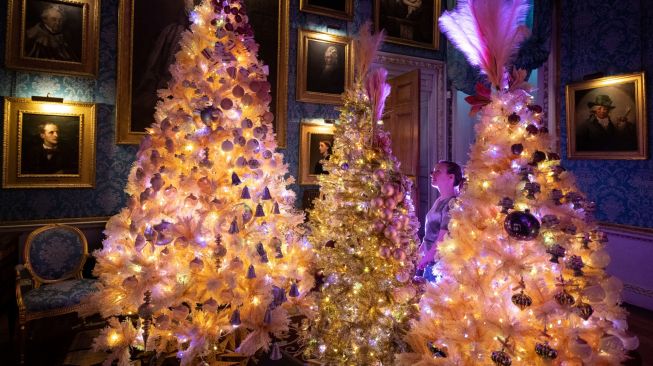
{"type": "Point", "coordinates": [54, 256]}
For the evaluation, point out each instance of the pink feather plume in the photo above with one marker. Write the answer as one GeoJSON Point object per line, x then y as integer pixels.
{"type": "Point", "coordinates": [488, 32]}
{"type": "Point", "coordinates": [367, 45]}
{"type": "Point", "coordinates": [377, 90]}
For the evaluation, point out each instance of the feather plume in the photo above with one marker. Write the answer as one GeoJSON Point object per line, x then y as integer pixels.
{"type": "Point", "coordinates": [377, 90]}
{"type": "Point", "coordinates": [367, 45]}
{"type": "Point", "coordinates": [488, 32]}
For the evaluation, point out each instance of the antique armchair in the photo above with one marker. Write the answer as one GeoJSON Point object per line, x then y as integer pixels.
{"type": "Point", "coordinates": [50, 282]}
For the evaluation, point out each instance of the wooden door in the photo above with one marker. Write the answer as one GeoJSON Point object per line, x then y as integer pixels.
{"type": "Point", "coordinates": [401, 119]}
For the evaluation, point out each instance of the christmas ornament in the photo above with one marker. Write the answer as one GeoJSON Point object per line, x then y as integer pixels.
{"type": "Point", "coordinates": [522, 300]}
{"type": "Point", "coordinates": [564, 298]}
{"type": "Point", "coordinates": [145, 312]}
{"type": "Point", "coordinates": [584, 310]}
{"type": "Point", "coordinates": [576, 264]}
{"type": "Point", "coordinates": [521, 225]}
{"type": "Point", "coordinates": [538, 156]}
{"type": "Point", "coordinates": [235, 318]}
{"type": "Point", "coordinates": [545, 351]}
{"type": "Point", "coordinates": [275, 354]}
{"type": "Point", "coordinates": [517, 149]}
{"type": "Point", "coordinates": [514, 118]}
{"type": "Point", "coordinates": [549, 221]}
{"type": "Point", "coordinates": [556, 252]}
{"type": "Point", "coordinates": [506, 204]}
{"type": "Point", "coordinates": [500, 358]}
{"type": "Point", "coordinates": [531, 188]}
{"type": "Point", "coordinates": [534, 108]}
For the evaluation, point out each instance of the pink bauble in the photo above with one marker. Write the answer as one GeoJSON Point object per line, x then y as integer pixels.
{"type": "Point", "coordinates": [378, 226]}
{"type": "Point", "coordinates": [387, 214]}
{"type": "Point", "coordinates": [380, 173]}
{"type": "Point", "coordinates": [388, 189]}
{"type": "Point", "coordinates": [238, 91]}
{"type": "Point", "coordinates": [391, 203]}
{"type": "Point", "coordinates": [399, 254]}
{"type": "Point", "coordinates": [384, 251]}
{"type": "Point", "coordinates": [377, 202]}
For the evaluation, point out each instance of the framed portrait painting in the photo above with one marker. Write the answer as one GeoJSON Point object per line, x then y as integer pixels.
{"type": "Point", "coordinates": [48, 145]}
{"type": "Point", "coordinates": [606, 118]}
{"type": "Point", "coordinates": [324, 67]}
{"type": "Point", "coordinates": [56, 36]}
{"type": "Point", "coordinates": [147, 46]}
{"type": "Point", "coordinates": [342, 9]}
{"type": "Point", "coordinates": [316, 143]}
{"type": "Point", "coordinates": [409, 22]}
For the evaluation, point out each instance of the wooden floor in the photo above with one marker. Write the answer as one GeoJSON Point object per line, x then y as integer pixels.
{"type": "Point", "coordinates": [57, 344]}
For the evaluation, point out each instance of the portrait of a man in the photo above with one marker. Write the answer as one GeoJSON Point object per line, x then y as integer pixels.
{"type": "Point", "coordinates": [606, 118]}
{"type": "Point", "coordinates": [49, 144]}
{"type": "Point", "coordinates": [408, 21]}
{"type": "Point", "coordinates": [602, 130]}
{"type": "Point", "coordinates": [326, 67]}
{"type": "Point", "coordinates": [53, 31]}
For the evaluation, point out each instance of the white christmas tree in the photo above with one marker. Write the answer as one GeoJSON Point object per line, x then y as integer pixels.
{"type": "Point", "coordinates": [523, 270]}
{"type": "Point", "coordinates": [208, 253]}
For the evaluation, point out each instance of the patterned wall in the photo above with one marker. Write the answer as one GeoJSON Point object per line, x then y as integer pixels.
{"type": "Point", "coordinates": [609, 37]}
{"type": "Point", "coordinates": [114, 161]}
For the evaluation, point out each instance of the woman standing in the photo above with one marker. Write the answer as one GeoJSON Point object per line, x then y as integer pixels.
{"type": "Point", "coordinates": [446, 177]}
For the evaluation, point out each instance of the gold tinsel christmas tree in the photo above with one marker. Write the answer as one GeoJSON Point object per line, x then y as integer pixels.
{"type": "Point", "coordinates": [364, 228]}
{"type": "Point", "coordinates": [523, 271]}
{"type": "Point", "coordinates": [208, 254]}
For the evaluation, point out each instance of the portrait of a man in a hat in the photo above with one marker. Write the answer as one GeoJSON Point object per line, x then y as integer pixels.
{"type": "Point", "coordinates": [602, 132]}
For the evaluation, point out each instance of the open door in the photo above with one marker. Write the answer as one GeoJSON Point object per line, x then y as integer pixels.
{"type": "Point", "coordinates": [401, 119]}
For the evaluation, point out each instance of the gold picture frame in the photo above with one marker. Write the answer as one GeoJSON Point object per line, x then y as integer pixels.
{"type": "Point", "coordinates": [325, 67]}
{"type": "Point", "coordinates": [341, 9]}
{"type": "Point", "coordinates": [30, 36]}
{"type": "Point", "coordinates": [606, 118]}
{"type": "Point", "coordinates": [310, 137]}
{"type": "Point", "coordinates": [409, 25]}
{"type": "Point", "coordinates": [136, 96]}
{"type": "Point", "coordinates": [29, 127]}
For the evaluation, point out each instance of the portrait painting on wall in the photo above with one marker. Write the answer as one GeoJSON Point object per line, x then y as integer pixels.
{"type": "Point", "coordinates": [342, 9]}
{"type": "Point", "coordinates": [324, 63]}
{"type": "Point", "coordinates": [606, 118]}
{"type": "Point", "coordinates": [316, 146]}
{"type": "Point", "coordinates": [409, 22]}
{"type": "Point", "coordinates": [48, 144]}
{"type": "Point", "coordinates": [53, 36]}
{"type": "Point", "coordinates": [148, 46]}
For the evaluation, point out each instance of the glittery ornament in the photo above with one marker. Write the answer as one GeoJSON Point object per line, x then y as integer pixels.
{"type": "Point", "coordinates": [556, 252]}
{"type": "Point", "coordinates": [235, 318]}
{"type": "Point", "coordinates": [564, 298]}
{"type": "Point", "coordinates": [514, 118]}
{"type": "Point", "coordinates": [506, 204]}
{"type": "Point", "coordinates": [251, 273]}
{"type": "Point", "coordinates": [344, 166]}
{"type": "Point", "coordinates": [545, 351]}
{"type": "Point", "coordinates": [550, 221]}
{"type": "Point", "coordinates": [576, 264]}
{"type": "Point", "coordinates": [584, 310]}
{"type": "Point", "coordinates": [532, 129]}
{"type": "Point", "coordinates": [501, 358]}
{"type": "Point", "coordinates": [266, 194]}
{"type": "Point", "coordinates": [253, 163]}
{"type": "Point", "coordinates": [206, 115]}
{"type": "Point", "coordinates": [538, 156]}
{"type": "Point", "coordinates": [275, 353]}
{"type": "Point", "coordinates": [531, 188]}
{"type": "Point", "coordinates": [556, 196]}
{"type": "Point", "coordinates": [233, 228]}
{"type": "Point", "coordinates": [275, 208]}
{"type": "Point", "coordinates": [534, 108]}
{"type": "Point", "coordinates": [227, 146]}
{"type": "Point", "coordinates": [235, 180]}
{"type": "Point", "coordinates": [244, 194]}
{"type": "Point", "coordinates": [522, 300]}
{"type": "Point", "coordinates": [517, 149]}
{"type": "Point", "coordinates": [435, 351]}
{"type": "Point", "coordinates": [267, 317]}
{"type": "Point", "coordinates": [522, 225]}
{"type": "Point", "coordinates": [294, 290]}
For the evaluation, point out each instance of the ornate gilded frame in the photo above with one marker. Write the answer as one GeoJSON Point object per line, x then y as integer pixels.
{"type": "Point", "coordinates": [435, 42]}
{"type": "Point", "coordinates": [124, 132]}
{"type": "Point", "coordinates": [306, 131]}
{"type": "Point", "coordinates": [348, 14]}
{"type": "Point", "coordinates": [15, 111]}
{"type": "Point", "coordinates": [303, 39]}
{"type": "Point", "coordinates": [15, 57]}
{"type": "Point", "coordinates": [623, 89]}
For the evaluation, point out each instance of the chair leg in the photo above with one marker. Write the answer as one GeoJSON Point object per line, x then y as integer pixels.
{"type": "Point", "coordinates": [21, 343]}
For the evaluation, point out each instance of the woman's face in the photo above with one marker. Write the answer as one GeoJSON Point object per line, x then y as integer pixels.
{"type": "Point", "coordinates": [439, 176]}
{"type": "Point", "coordinates": [323, 148]}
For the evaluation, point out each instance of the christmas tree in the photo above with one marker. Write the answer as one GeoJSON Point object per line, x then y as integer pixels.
{"type": "Point", "coordinates": [523, 270]}
{"type": "Point", "coordinates": [364, 228]}
{"type": "Point", "coordinates": [208, 253]}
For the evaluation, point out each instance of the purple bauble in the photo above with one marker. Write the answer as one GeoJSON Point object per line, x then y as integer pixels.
{"type": "Point", "coordinates": [522, 225]}
{"type": "Point", "coordinates": [345, 166]}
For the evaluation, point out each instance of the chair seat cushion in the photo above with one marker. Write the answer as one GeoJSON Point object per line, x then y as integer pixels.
{"type": "Point", "coordinates": [58, 295]}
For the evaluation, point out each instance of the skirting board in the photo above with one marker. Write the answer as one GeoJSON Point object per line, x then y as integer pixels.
{"type": "Point", "coordinates": [631, 251]}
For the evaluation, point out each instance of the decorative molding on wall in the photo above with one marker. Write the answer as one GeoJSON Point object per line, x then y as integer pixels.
{"type": "Point", "coordinates": [638, 290]}
{"type": "Point", "coordinates": [28, 225]}
{"type": "Point", "coordinates": [433, 121]}
{"type": "Point", "coordinates": [629, 232]}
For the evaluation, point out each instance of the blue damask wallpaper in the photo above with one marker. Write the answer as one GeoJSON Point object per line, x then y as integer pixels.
{"type": "Point", "coordinates": [610, 37]}
{"type": "Point", "coordinates": [114, 161]}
